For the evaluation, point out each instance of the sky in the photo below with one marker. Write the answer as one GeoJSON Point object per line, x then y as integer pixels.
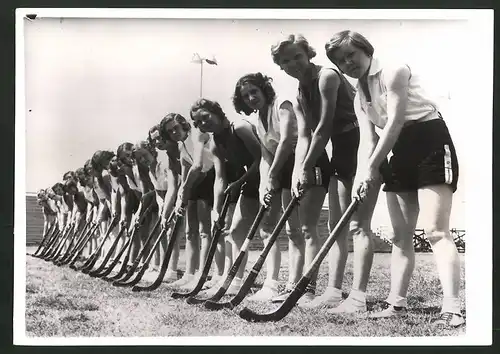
{"type": "Point", "coordinates": [95, 83]}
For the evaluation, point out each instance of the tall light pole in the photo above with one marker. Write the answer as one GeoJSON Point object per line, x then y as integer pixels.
{"type": "Point", "coordinates": [197, 59]}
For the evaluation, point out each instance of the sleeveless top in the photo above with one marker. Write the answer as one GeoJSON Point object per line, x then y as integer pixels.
{"type": "Point", "coordinates": [134, 183]}
{"type": "Point", "coordinates": [159, 175]}
{"type": "Point", "coordinates": [102, 193]}
{"type": "Point", "coordinates": [271, 137]}
{"type": "Point", "coordinates": [419, 104]}
{"type": "Point", "coordinates": [186, 149]}
{"type": "Point", "coordinates": [79, 202]}
{"type": "Point", "coordinates": [49, 207]}
{"type": "Point", "coordinates": [232, 148]}
{"type": "Point", "coordinates": [309, 99]}
{"type": "Point", "coordinates": [65, 204]}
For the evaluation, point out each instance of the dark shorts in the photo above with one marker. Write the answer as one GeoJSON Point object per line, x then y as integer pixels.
{"type": "Point", "coordinates": [423, 155]}
{"type": "Point", "coordinates": [344, 159]}
{"type": "Point", "coordinates": [204, 189]}
{"type": "Point", "coordinates": [285, 175]}
{"type": "Point", "coordinates": [249, 189]}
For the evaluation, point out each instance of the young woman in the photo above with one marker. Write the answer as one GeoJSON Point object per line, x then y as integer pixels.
{"type": "Point", "coordinates": [49, 210]}
{"type": "Point", "coordinates": [64, 203]}
{"type": "Point", "coordinates": [423, 170]}
{"type": "Point", "coordinates": [123, 202]}
{"type": "Point", "coordinates": [277, 131]}
{"type": "Point", "coordinates": [86, 187]}
{"type": "Point", "coordinates": [237, 150]}
{"type": "Point", "coordinates": [165, 170]}
{"type": "Point", "coordinates": [102, 187]}
{"type": "Point", "coordinates": [79, 205]}
{"type": "Point", "coordinates": [165, 183]}
{"type": "Point", "coordinates": [195, 194]}
{"type": "Point", "coordinates": [136, 173]}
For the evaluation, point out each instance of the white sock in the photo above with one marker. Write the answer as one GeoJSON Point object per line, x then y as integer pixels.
{"type": "Point", "coordinates": [358, 295]}
{"type": "Point", "coordinates": [272, 284]}
{"type": "Point", "coordinates": [333, 292]}
{"type": "Point", "coordinates": [451, 304]}
{"type": "Point", "coordinates": [396, 300]}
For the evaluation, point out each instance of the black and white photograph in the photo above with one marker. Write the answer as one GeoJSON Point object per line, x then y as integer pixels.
{"type": "Point", "coordinates": [272, 176]}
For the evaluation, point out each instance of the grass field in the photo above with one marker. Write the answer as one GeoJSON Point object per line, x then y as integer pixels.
{"type": "Point", "coordinates": [62, 302]}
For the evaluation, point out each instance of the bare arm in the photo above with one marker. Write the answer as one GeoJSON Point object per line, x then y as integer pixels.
{"type": "Point", "coordinates": [245, 133]}
{"type": "Point", "coordinates": [397, 99]}
{"type": "Point", "coordinates": [287, 138]}
{"type": "Point", "coordinates": [329, 83]}
{"type": "Point", "coordinates": [220, 182]}
{"type": "Point", "coordinates": [195, 170]}
{"type": "Point", "coordinates": [171, 195]}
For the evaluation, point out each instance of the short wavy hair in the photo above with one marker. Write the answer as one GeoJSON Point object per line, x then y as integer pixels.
{"type": "Point", "coordinates": [167, 119]}
{"type": "Point", "coordinates": [58, 185]}
{"type": "Point", "coordinates": [145, 145]}
{"type": "Point", "coordinates": [298, 39]}
{"type": "Point", "coordinates": [347, 37]}
{"type": "Point", "coordinates": [87, 166]}
{"type": "Point", "coordinates": [263, 82]}
{"type": "Point", "coordinates": [69, 175]}
{"type": "Point", "coordinates": [81, 174]}
{"type": "Point", "coordinates": [211, 106]}
{"type": "Point", "coordinates": [41, 195]}
{"type": "Point", "coordinates": [100, 159]}
{"type": "Point", "coordinates": [122, 148]}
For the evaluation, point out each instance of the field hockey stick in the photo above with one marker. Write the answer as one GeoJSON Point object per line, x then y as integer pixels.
{"type": "Point", "coordinates": [53, 244]}
{"type": "Point", "coordinates": [69, 238]}
{"type": "Point", "coordinates": [249, 281]}
{"type": "Point", "coordinates": [236, 265]}
{"type": "Point", "coordinates": [141, 254]}
{"type": "Point", "coordinates": [126, 249]}
{"type": "Point", "coordinates": [48, 235]}
{"type": "Point", "coordinates": [77, 251]}
{"type": "Point", "coordinates": [45, 238]}
{"type": "Point", "coordinates": [150, 255]}
{"type": "Point", "coordinates": [77, 234]}
{"type": "Point", "coordinates": [60, 243]}
{"type": "Point", "coordinates": [107, 257]}
{"type": "Point", "coordinates": [93, 229]}
{"type": "Point", "coordinates": [87, 267]}
{"type": "Point", "coordinates": [174, 231]}
{"type": "Point", "coordinates": [301, 286]}
{"type": "Point", "coordinates": [74, 245]}
{"type": "Point", "coordinates": [216, 232]}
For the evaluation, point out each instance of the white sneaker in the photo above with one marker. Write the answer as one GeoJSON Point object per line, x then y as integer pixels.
{"type": "Point", "coordinates": [449, 320]}
{"type": "Point", "coordinates": [191, 284]}
{"type": "Point", "coordinates": [350, 305]}
{"type": "Point", "coordinates": [306, 298]}
{"type": "Point", "coordinates": [182, 281]}
{"type": "Point", "coordinates": [330, 298]}
{"type": "Point", "coordinates": [212, 282]}
{"type": "Point", "coordinates": [235, 286]}
{"type": "Point", "coordinates": [390, 311]}
{"type": "Point", "coordinates": [269, 290]}
{"type": "Point", "coordinates": [170, 276]}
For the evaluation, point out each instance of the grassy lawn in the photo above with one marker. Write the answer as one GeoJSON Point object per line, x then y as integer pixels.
{"type": "Point", "coordinates": [62, 302]}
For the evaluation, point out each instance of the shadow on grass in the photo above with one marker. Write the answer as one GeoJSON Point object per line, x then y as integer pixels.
{"type": "Point", "coordinates": [81, 317]}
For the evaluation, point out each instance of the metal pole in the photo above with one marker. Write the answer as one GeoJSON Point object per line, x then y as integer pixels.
{"type": "Point", "coordinates": [201, 80]}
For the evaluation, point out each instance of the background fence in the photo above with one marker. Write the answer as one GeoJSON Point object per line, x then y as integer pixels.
{"type": "Point", "coordinates": [382, 243]}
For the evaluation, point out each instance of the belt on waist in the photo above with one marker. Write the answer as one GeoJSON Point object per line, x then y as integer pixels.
{"type": "Point", "coordinates": [431, 116]}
